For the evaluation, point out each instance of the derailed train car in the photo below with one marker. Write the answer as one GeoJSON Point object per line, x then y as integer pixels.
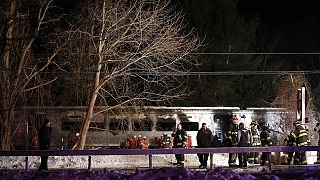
{"type": "Point", "coordinates": [110, 129]}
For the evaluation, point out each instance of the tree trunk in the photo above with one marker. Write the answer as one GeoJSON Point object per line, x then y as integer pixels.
{"type": "Point", "coordinates": [6, 118]}
{"type": "Point", "coordinates": [96, 88]}
{"type": "Point", "coordinates": [6, 139]}
{"type": "Point", "coordinates": [86, 122]}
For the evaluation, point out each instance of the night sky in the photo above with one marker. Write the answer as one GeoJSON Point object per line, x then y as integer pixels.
{"type": "Point", "coordinates": [283, 11]}
{"type": "Point", "coordinates": [297, 21]}
{"type": "Point", "coordinates": [276, 17]}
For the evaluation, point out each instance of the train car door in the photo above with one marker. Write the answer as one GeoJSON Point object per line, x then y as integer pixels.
{"type": "Point", "coordinates": [221, 124]}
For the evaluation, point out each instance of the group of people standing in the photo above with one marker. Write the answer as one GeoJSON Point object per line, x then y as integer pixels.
{"type": "Point", "coordinates": [236, 136]}
{"type": "Point", "coordinates": [138, 143]}
{"type": "Point", "coordinates": [239, 136]}
{"type": "Point", "coordinates": [205, 139]}
{"type": "Point", "coordinates": [165, 141]}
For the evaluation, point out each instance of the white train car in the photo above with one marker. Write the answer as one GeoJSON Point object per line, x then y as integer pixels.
{"type": "Point", "coordinates": [110, 129]}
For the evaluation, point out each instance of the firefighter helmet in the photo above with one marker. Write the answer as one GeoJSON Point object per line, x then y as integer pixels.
{"type": "Point", "coordinates": [265, 125]}
{"type": "Point", "coordinates": [234, 117]}
{"type": "Point", "coordinates": [296, 122]}
{"type": "Point", "coordinates": [253, 123]}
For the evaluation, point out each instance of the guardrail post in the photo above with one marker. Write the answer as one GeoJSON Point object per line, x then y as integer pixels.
{"type": "Point", "coordinates": [27, 164]}
{"type": "Point", "coordinates": [269, 162]}
{"type": "Point", "coordinates": [89, 164]}
{"type": "Point", "coordinates": [211, 160]}
{"type": "Point", "coordinates": [150, 161]}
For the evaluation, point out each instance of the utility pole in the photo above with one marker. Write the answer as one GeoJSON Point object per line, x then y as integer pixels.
{"type": "Point", "coordinates": [301, 104]}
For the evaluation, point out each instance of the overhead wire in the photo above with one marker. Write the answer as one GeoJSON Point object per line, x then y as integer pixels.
{"type": "Point", "coordinates": [204, 73]}
{"type": "Point", "coordinates": [228, 73]}
{"type": "Point", "coordinates": [256, 53]}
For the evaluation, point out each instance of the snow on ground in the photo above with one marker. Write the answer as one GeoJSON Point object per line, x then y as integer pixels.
{"type": "Point", "coordinates": [136, 167]}
{"type": "Point", "coordinates": [156, 174]}
{"type": "Point", "coordinates": [122, 162]}
{"type": "Point", "coordinates": [110, 162]}
{"type": "Point", "coordinates": [307, 173]}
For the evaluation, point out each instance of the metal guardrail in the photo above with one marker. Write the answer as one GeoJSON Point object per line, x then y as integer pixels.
{"type": "Point", "coordinates": [151, 152]}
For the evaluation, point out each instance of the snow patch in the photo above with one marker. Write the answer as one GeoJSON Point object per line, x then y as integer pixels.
{"type": "Point", "coordinates": [109, 161]}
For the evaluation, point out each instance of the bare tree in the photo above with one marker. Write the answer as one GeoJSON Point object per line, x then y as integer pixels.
{"type": "Point", "coordinates": [287, 87]}
{"type": "Point", "coordinates": [19, 69]}
{"type": "Point", "coordinates": [133, 49]}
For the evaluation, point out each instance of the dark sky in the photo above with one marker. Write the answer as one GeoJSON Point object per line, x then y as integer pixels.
{"type": "Point", "coordinates": [293, 25]}
{"type": "Point", "coordinates": [278, 11]}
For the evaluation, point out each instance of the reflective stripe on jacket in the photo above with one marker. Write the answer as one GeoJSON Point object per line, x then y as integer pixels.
{"type": "Point", "coordinates": [255, 137]}
{"type": "Point", "coordinates": [301, 136]}
{"type": "Point", "coordinates": [180, 138]}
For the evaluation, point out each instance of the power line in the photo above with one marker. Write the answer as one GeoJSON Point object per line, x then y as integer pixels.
{"type": "Point", "coordinates": [202, 73]}
{"type": "Point", "coordinates": [257, 53]}
{"type": "Point", "coordinates": [233, 73]}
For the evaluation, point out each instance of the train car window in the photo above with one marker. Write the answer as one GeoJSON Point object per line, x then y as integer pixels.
{"type": "Point", "coordinates": [142, 125]}
{"type": "Point", "coordinates": [165, 124]}
{"type": "Point", "coordinates": [71, 126]}
{"type": "Point", "coordinates": [118, 125]}
{"type": "Point", "coordinates": [97, 126]}
{"type": "Point", "coordinates": [190, 126]}
{"type": "Point", "coordinates": [184, 117]}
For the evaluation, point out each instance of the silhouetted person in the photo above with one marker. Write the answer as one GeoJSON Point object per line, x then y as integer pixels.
{"type": "Point", "coordinates": [243, 141]}
{"type": "Point", "coordinates": [204, 139]}
{"type": "Point", "coordinates": [266, 141]}
{"type": "Point", "coordinates": [44, 138]}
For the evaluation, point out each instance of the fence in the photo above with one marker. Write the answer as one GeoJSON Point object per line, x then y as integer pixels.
{"type": "Point", "coordinates": [151, 152]}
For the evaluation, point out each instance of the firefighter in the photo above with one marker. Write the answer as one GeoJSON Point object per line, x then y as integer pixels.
{"type": "Point", "coordinates": [76, 141]}
{"type": "Point", "coordinates": [300, 135]}
{"type": "Point", "coordinates": [166, 141]}
{"type": "Point", "coordinates": [306, 126]}
{"type": "Point", "coordinates": [266, 141]}
{"type": "Point", "coordinates": [317, 130]}
{"type": "Point", "coordinates": [189, 143]}
{"type": "Point", "coordinates": [34, 142]}
{"type": "Point", "coordinates": [290, 140]}
{"type": "Point", "coordinates": [254, 142]}
{"type": "Point", "coordinates": [179, 141]}
{"type": "Point", "coordinates": [231, 139]}
{"type": "Point", "coordinates": [144, 143]}
{"type": "Point", "coordinates": [132, 142]}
